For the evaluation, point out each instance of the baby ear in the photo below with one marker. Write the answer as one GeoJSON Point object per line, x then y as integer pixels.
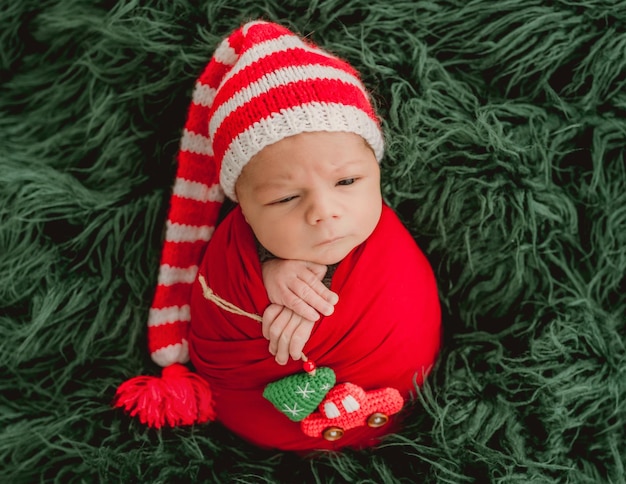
{"type": "Point", "coordinates": [237, 202]}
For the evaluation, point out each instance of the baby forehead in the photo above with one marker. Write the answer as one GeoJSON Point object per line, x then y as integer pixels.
{"type": "Point", "coordinates": [280, 170]}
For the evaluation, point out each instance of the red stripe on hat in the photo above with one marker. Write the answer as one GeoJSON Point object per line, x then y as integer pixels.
{"type": "Point", "coordinates": [185, 211]}
{"type": "Point", "coordinates": [214, 73]}
{"type": "Point", "coordinates": [174, 295]}
{"type": "Point", "coordinates": [285, 97]}
{"type": "Point", "coordinates": [192, 212]}
{"type": "Point", "coordinates": [165, 335]}
{"type": "Point", "coordinates": [197, 167]}
{"type": "Point", "coordinates": [294, 57]}
{"type": "Point", "coordinates": [258, 33]}
{"type": "Point", "coordinates": [198, 119]}
{"type": "Point", "coordinates": [235, 40]}
{"type": "Point", "coordinates": [182, 254]}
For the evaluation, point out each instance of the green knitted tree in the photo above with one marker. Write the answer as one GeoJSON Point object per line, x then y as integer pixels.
{"type": "Point", "coordinates": [297, 396]}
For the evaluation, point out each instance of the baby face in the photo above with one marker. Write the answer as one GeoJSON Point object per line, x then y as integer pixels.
{"type": "Point", "coordinates": [312, 196]}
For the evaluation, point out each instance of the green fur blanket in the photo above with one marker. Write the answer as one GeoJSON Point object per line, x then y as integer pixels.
{"type": "Point", "coordinates": [506, 132]}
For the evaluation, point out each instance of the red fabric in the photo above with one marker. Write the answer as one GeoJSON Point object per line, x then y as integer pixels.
{"type": "Point", "coordinates": [385, 330]}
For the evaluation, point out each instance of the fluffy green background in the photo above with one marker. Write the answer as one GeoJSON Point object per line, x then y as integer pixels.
{"type": "Point", "coordinates": [506, 127]}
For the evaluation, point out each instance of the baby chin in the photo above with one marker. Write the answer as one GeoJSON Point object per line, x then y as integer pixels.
{"type": "Point", "coordinates": [333, 250]}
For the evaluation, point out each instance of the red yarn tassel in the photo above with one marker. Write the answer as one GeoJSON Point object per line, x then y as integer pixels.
{"type": "Point", "coordinates": [179, 397]}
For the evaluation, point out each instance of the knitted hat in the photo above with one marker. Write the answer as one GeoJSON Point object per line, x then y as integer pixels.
{"type": "Point", "coordinates": [263, 84]}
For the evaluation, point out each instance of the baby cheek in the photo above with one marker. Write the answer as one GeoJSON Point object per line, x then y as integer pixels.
{"type": "Point", "coordinates": [370, 218]}
{"type": "Point", "coordinates": [279, 240]}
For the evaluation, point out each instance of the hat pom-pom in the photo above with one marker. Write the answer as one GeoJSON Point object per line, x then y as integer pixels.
{"type": "Point", "coordinates": [178, 397]}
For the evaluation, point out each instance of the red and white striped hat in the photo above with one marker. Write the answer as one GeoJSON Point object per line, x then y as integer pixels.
{"type": "Point", "coordinates": [263, 84]}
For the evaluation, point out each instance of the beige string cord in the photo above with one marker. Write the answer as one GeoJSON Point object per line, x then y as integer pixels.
{"type": "Point", "coordinates": [223, 303]}
{"type": "Point", "coordinates": [228, 306]}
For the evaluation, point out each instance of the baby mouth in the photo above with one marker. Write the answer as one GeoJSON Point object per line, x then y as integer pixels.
{"type": "Point", "coordinates": [330, 241]}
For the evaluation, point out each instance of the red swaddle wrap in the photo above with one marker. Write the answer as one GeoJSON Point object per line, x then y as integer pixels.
{"type": "Point", "coordinates": [385, 331]}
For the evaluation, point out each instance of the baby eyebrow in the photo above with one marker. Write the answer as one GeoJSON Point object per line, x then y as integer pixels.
{"type": "Point", "coordinates": [349, 165]}
{"type": "Point", "coordinates": [276, 181]}
{"type": "Point", "coordinates": [276, 190]}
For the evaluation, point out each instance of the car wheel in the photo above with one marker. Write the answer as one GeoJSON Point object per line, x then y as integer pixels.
{"type": "Point", "coordinates": [377, 420]}
{"type": "Point", "coordinates": [332, 433]}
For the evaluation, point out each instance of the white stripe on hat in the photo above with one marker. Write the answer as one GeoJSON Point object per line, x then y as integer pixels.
{"type": "Point", "coordinates": [168, 275]}
{"type": "Point", "coordinates": [279, 77]}
{"type": "Point", "coordinates": [198, 191]}
{"type": "Point", "coordinates": [196, 143]}
{"type": "Point", "coordinates": [187, 233]}
{"type": "Point", "coordinates": [171, 314]}
{"type": "Point", "coordinates": [203, 95]}
{"type": "Point", "coordinates": [251, 24]}
{"type": "Point", "coordinates": [225, 54]}
{"type": "Point", "coordinates": [176, 353]}
{"type": "Point", "coordinates": [315, 116]}
{"type": "Point", "coordinates": [269, 47]}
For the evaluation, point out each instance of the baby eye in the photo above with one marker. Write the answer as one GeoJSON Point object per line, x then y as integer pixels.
{"type": "Point", "coordinates": [346, 181]}
{"type": "Point", "coordinates": [284, 200]}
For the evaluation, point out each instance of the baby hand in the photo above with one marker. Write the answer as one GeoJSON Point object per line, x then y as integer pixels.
{"type": "Point", "coordinates": [287, 331]}
{"type": "Point", "coordinates": [298, 286]}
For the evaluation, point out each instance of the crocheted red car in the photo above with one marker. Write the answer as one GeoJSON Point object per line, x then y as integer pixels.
{"type": "Point", "coordinates": [347, 406]}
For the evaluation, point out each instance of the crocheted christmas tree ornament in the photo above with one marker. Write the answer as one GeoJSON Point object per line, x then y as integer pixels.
{"type": "Point", "coordinates": [297, 396]}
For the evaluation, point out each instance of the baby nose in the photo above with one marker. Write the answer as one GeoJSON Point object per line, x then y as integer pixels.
{"type": "Point", "coordinates": [321, 208]}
